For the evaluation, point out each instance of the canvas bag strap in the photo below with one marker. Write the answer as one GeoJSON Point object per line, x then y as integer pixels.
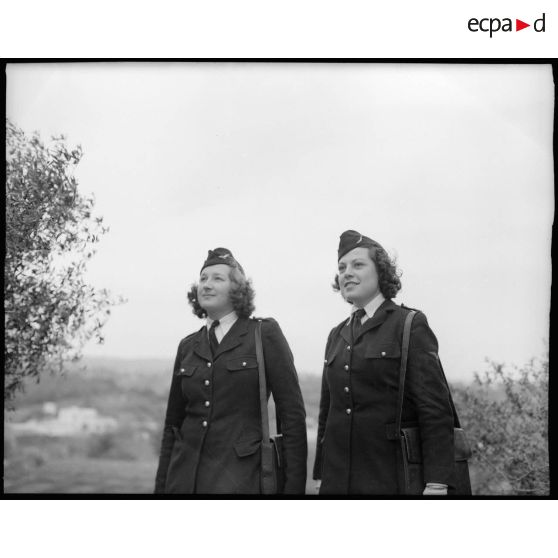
{"type": "Point", "coordinates": [262, 382]}
{"type": "Point", "coordinates": [263, 390]}
{"type": "Point", "coordinates": [403, 369]}
{"type": "Point", "coordinates": [268, 483]}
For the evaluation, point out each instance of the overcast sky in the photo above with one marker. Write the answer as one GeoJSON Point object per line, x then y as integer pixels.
{"type": "Point", "coordinates": [449, 167]}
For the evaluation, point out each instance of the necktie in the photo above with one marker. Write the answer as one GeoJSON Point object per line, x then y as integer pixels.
{"type": "Point", "coordinates": [356, 324]}
{"type": "Point", "coordinates": [213, 343]}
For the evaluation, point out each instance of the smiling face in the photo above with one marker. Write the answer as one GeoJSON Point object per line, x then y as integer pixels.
{"type": "Point", "coordinates": [358, 277]}
{"type": "Point", "coordinates": [214, 289]}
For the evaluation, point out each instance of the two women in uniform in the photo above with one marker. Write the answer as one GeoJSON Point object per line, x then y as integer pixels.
{"type": "Point", "coordinates": [213, 432]}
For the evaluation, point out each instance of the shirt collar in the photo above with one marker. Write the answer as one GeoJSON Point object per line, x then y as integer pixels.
{"type": "Point", "coordinates": [371, 307]}
{"type": "Point", "coordinates": [225, 321]}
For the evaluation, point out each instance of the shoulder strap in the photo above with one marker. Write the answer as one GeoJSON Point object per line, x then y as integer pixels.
{"type": "Point", "coordinates": [403, 370]}
{"type": "Point", "coordinates": [261, 372]}
{"type": "Point", "coordinates": [263, 386]}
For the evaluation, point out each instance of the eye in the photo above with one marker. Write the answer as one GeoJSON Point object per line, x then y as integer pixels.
{"type": "Point", "coordinates": [341, 268]}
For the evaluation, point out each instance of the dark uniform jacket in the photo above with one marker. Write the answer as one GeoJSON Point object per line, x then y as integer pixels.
{"type": "Point", "coordinates": [212, 434]}
{"type": "Point", "coordinates": [357, 452]}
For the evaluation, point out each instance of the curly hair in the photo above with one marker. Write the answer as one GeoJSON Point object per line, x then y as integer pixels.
{"type": "Point", "coordinates": [388, 274]}
{"type": "Point", "coordinates": [241, 295]}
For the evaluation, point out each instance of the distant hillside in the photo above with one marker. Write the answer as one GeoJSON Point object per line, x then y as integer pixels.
{"type": "Point", "coordinates": [96, 381]}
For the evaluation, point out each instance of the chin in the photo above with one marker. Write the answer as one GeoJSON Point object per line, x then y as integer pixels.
{"type": "Point", "coordinates": [207, 307]}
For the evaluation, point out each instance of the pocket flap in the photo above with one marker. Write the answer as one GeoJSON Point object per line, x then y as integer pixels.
{"type": "Point", "coordinates": [243, 448]}
{"type": "Point", "coordinates": [329, 359]}
{"type": "Point", "coordinates": [242, 363]}
{"type": "Point", "coordinates": [389, 350]}
{"type": "Point", "coordinates": [185, 370]}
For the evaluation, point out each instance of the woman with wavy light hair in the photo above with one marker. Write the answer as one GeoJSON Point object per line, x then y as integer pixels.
{"type": "Point", "coordinates": [213, 427]}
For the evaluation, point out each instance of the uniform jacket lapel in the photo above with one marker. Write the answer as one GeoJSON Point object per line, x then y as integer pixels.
{"type": "Point", "coordinates": [202, 348]}
{"type": "Point", "coordinates": [346, 332]}
{"type": "Point", "coordinates": [233, 338]}
{"type": "Point", "coordinates": [378, 318]}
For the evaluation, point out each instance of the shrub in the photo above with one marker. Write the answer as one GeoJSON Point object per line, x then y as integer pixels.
{"type": "Point", "coordinates": [505, 416]}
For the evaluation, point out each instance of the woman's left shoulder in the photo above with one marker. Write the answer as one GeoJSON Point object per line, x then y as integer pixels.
{"type": "Point", "coordinates": [270, 326]}
{"type": "Point", "coordinates": [402, 310]}
{"type": "Point", "coordinates": [267, 323]}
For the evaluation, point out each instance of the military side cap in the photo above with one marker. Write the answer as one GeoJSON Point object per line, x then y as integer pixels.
{"type": "Point", "coordinates": [353, 239]}
{"type": "Point", "coordinates": [221, 256]}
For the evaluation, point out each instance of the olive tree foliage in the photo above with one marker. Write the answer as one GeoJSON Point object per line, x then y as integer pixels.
{"type": "Point", "coordinates": [50, 310]}
{"type": "Point", "coordinates": [505, 416]}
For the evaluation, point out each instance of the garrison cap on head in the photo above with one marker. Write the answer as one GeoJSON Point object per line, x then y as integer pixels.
{"type": "Point", "coordinates": [221, 256]}
{"type": "Point", "coordinates": [353, 239]}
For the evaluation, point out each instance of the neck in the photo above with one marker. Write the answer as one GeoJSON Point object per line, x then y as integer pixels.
{"type": "Point", "coordinates": [217, 315]}
{"type": "Point", "coordinates": [362, 304]}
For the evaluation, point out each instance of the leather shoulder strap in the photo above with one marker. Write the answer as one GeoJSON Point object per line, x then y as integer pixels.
{"type": "Point", "coordinates": [262, 382]}
{"type": "Point", "coordinates": [403, 369]}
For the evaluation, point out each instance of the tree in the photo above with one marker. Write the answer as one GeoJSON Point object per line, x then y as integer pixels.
{"type": "Point", "coordinates": [505, 417]}
{"type": "Point", "coordinates": [50, 310]}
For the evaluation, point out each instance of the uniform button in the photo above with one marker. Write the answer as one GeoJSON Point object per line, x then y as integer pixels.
{"type": "Point", "coordinates": [348, 411]}
{"type": "Point", "coordinates": [182, 370]}
{"type": "Point", "coordinates": [346, 389]}
{"type": "Point", "coordinates": [206, 383]}
{"type": "Point", "coordinates": [209, 364]}
{"type": "Point", "coordinates": [243, 364]}
{"type": "Point", "coordinates": [206, 403]}
{"type": "Point", "coordinates": [204, 424]}
{"type": "Point", "coordinates": [346, 367]}
{"type": "Point", "coordinates": [348, 347]}
{"type": "Point", "coordinates": [325, 361]}
{"type": "Point", "coordinates": [383, 353]}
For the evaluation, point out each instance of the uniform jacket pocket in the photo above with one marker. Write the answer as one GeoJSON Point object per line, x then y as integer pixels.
{"type": "Point", "coordinates": [244, 448]}
{"type": "Point", "coordinates": [185, 370]}
{"type": "Point", "coordinates": [385, 350]}
{"type": "Point", "coordinates": [329, 359]}
{"type": "Point", "coordinates": [242, 363]}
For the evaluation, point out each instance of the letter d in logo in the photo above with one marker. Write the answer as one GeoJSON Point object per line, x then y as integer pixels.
{"type": "Point", "coordinates": [539, 28]}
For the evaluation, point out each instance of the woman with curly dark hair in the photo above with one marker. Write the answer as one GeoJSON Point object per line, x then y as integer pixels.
{"type": "Point", "coordinates": [213, 427]}
{"type": "Point", "coordinates": [357, 447]}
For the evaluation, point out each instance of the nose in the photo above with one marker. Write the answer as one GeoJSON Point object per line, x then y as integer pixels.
{"type": "Point", "coordinates": [207, 286]}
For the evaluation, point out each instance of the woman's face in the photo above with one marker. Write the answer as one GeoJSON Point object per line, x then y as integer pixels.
{"type": "Point", "coordinates": [213, 291]}
{"type": "Point", "coordinates": [358, 277]}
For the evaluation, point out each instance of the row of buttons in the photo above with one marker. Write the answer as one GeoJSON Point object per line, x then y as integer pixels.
{"type": "Point", "coordinates": [346, 388]}
{"type": "Point", "coordinates": [207, 403]}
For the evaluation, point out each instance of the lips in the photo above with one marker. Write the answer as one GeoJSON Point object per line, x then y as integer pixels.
{"type": "Point", "coordinates": [350, 284]}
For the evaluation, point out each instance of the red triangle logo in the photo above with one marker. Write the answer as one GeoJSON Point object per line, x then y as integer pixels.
{"type": "Point", "coordinates": [519, 25]}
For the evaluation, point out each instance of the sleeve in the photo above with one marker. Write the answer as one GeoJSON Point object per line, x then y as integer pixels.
{"type": "Point", "coordinates": [427, 389]}
{"type": "Point", "coordinates": [283, 382]}
{"type": "Point", "coordinates": [173, 419]}
{"type": "Point", "coordinates": [322, 418]}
